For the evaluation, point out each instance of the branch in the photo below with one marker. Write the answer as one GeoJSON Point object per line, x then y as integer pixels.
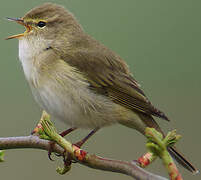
{"type": "Point", "coordinates": [96, 162]}
{"type": "Point", "coordinates": [157, 146]}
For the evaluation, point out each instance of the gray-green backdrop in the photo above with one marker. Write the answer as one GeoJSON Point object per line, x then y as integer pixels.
{"type": "Point", "coordinates": [161, 42]}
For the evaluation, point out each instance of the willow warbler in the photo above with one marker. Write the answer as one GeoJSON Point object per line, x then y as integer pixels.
{"type": "Point", "coordinates": [78, 80]}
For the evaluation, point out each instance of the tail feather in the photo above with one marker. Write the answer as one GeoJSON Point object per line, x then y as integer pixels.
{"type": "Point", "coordinates": [181, 160]}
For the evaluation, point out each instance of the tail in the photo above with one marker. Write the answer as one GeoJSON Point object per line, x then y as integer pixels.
{"type": "Point", "coordinates": [181, 160]}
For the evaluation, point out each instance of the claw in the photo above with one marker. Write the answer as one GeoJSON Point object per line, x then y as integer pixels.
{"type": "Point", "coordinates": [51, 143]}
{"type": "Point", "coordinates": [49, 156]}
{"type": "Point", "coordinates": [67, 160]}
{"type": "Point", "coordinates": [58, 155]}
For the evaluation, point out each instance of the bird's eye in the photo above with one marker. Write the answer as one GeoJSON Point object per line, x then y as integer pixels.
{"type": "Point", "coordinates": [41, 24]}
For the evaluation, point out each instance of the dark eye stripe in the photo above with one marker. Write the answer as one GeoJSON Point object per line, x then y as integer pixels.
{"type": "Point", "coordinates": [41, 24]}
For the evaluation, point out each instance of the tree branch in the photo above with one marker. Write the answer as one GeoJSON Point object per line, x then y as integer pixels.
{"type": "Point", "coordinates": [96, 162]}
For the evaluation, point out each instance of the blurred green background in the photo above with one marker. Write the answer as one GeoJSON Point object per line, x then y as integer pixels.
{"type": "Point", "coordinates": [161, 42]}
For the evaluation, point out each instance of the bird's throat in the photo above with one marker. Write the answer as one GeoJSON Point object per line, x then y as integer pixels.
{"type": "Point", "coordinates": [30, 50]}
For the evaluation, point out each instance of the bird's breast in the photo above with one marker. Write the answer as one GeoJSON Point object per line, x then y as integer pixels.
{"type": "Point", "coordinates": [64, 92]}
{"type": "Point", "coordinates": [70, 101]}
{"type": "Point", "coordinates": [26, 55]}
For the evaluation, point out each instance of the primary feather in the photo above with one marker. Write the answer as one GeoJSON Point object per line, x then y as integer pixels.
{"type": "Point", "coordinates": [108, 74]}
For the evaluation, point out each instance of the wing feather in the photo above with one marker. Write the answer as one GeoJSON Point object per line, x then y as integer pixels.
{"type": "Point", "coordinates": [108, 74]}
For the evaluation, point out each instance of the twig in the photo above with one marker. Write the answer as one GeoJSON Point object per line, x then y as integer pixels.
{"type": "Point", "coordinates": [146, 159]}
{"type": "Point", "coordinates": [124, 167]}
{"type": "Point", "coordinates": [157, 146]}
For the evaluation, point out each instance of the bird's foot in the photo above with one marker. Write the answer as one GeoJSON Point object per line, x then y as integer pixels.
{"type": "Point", "coordinates": [52, 144]}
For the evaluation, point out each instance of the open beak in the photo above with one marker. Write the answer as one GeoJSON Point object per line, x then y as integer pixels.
{"type": "Point", "coordinates": [19, 21]}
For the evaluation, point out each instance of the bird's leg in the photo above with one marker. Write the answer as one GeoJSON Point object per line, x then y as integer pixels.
{"type": "Point", "coordinates": [78, 145]}
{"type": "Point", "coordinates": [81, 142]}
{"type": "Point", "coordinates": [68, 131]}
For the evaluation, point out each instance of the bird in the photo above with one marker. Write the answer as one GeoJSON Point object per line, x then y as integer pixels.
{"type": "Point", "coordinates": [78, 80]}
